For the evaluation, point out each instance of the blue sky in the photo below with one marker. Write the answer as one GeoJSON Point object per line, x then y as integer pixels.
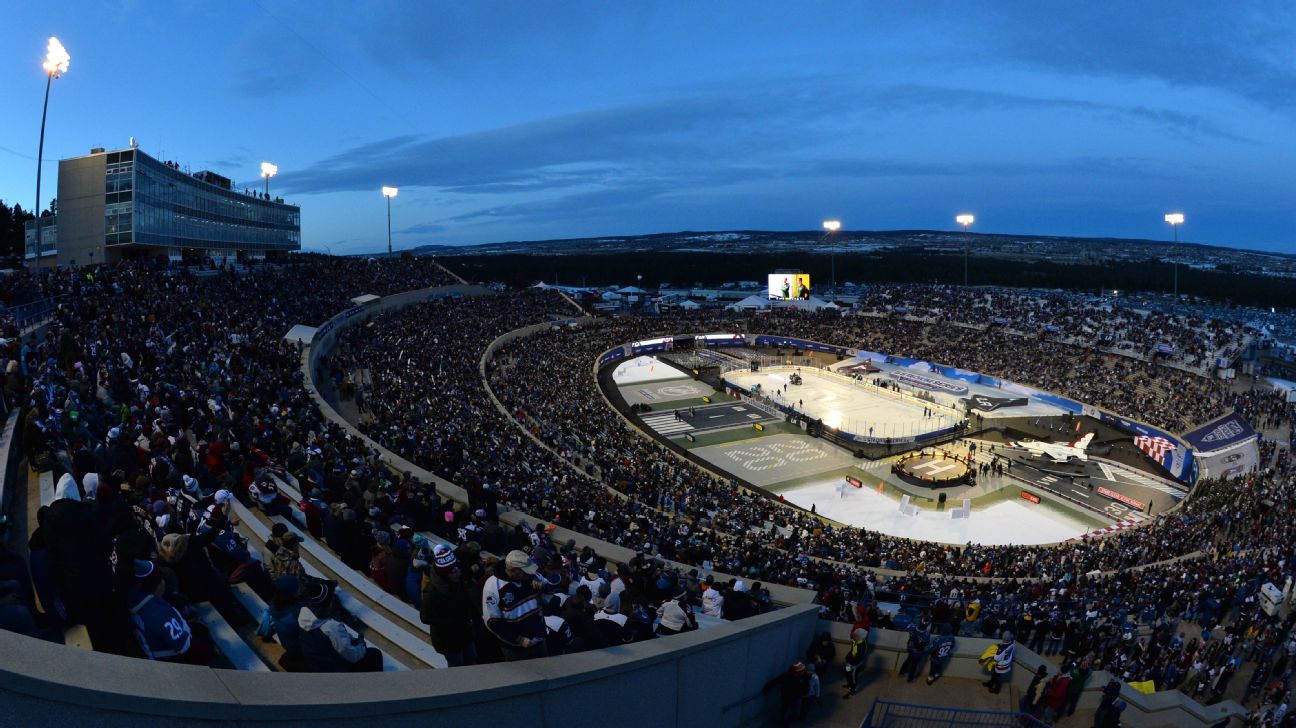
{"type": "Point", "coordinates": [530, 120]}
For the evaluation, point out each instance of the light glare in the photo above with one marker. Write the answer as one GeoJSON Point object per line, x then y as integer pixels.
{"type": "Point", "coordinates": [964, 219]}
{"type": "Point", "coordinates": [56, 58]}
{"type": "Point", "coordinates": [832, 226]}
{"type": "Point", "coordinates": [268, 169]}
{"type": "Point", "coordinates": [1174, 218]}
{"type": "Point", "coordinates": [389, 191]}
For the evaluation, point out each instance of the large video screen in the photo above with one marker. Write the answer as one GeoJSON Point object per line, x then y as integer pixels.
{"type": "Point", "coordinates": [787, 286]}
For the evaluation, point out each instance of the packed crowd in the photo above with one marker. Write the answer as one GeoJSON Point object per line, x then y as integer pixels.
{"type": "Point", "coordinates": [151, 385]}
{"type": "Point", "coordinates": [152, 396]}
{"type": "Point", "coordinates": [1074, 317]}
{"type": "Point", "coordinates": [681, 513]}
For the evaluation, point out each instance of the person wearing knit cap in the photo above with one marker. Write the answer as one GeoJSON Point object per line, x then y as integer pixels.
{"type": "Point", "coordinates": [448, 609]}
{"type": "Point", "coordinates": [793, 684]}
{"type": "Point", "coordinates": [160, 629]}
{"type": "Point", "coordinates": [613, 626]}
{"type": "Point", "coordinates": [676, 616]}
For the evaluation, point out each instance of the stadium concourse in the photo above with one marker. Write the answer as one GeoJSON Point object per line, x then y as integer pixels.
{"type": "Point", "coordinates": [171, 435]}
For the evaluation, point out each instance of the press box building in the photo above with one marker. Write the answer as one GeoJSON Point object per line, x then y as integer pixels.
{"type": "Point", "coordinates": [126, 204]}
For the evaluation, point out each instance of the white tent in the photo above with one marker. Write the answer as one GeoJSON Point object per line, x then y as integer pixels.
{"type": "Point", "coordinates": [755, 301]}
{"type": "Point", "coordinates": [688, 305]}
{"type": "Point", "coordinates": [631, 289]}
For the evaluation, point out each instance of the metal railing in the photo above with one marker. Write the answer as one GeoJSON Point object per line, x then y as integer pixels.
{"type": "Point", "coordinates": [886, 714]}
{"type": "Point", "coordinates": [28, 313]}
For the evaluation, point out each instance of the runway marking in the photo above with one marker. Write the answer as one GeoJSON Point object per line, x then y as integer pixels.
{"type": "Point", "coordinates": [666, 423]}
{"type": "Point", "coordinates": [1080, 492]}
{"type": "Point", "coordinates": [1127, 476]}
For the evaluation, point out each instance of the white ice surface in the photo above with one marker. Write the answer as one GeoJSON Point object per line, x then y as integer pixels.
{"type": "Point", "coordinates": [851, 407]}
{"type": "Point", "coordinates": [1004, 522]}
{"type": "Point", "coordinates": [645, 369]}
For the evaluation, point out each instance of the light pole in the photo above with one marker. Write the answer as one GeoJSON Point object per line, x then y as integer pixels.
{"type": "Point", "coordinates": [830, 227]}
{"type": "Point", "coordinates": [268, 170]}
{"type": "Point", "coordinates": [389, 193]}
{"type": "Point", "coordinates": [966, 221]}
{"type": "Point", "coordinates": [55, 65]}
{"type": "Point", "coordinates": [1175, 219]}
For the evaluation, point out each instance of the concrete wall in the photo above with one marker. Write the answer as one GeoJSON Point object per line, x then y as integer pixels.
{"type": "Point", "coordinates": [656, 683]}
{"type": "Point", "coordinates": [81, 210]}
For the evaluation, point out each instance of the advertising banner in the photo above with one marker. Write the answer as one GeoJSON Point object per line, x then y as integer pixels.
{"type": "Point", "coordinates": [1221, 433]}
{"type": "Point", "coordinates": [921, 381]}
{"type": "Point", "coordinates": [990, 404]}
{"type": "Point", "coordinates": [612, 355]}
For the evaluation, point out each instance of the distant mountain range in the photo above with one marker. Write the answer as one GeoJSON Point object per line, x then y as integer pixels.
{"type": "Point", "coordinates": [980, 245]}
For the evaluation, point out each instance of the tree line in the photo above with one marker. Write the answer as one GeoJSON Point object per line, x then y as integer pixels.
{"type": "Point", "coordinates": [12, 220]}
{"type": "Point", "coordinates": [712, 269]}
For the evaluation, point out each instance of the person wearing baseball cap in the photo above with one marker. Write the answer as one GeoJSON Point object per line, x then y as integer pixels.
{"type": "Point", "coordinates": [511, 609]}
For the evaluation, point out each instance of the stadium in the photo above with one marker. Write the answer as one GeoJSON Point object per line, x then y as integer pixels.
{"type": "Point", "coordinates": [471, 424]}
{"type": "Point", "coordinates": [433, 420]}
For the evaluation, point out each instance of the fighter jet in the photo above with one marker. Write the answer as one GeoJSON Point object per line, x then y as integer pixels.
{"type": "Point", "coordinates": [1057, 452]}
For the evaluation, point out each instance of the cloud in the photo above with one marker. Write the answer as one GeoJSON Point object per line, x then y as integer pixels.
{"type": "Point", "coordinates": [426, 228]}
{"type": "Point", "coordinates": [1244, 49]}
{"type": "Point", "coordinates": [694, 138]}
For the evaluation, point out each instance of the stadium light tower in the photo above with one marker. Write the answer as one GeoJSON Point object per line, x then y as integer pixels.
{"type": "Point", "coordinates": [389, 193]}
{"type": "Point", "coordinates": [1175, 219]}
{"type": "Point", "coordinates": [55, 65]}
{"type": "Point", "coordinates": [268, 170]}
{"type": "Point", "coordinates": [966, 221]}
{"type": "Point", "coordinates": [830, 227]}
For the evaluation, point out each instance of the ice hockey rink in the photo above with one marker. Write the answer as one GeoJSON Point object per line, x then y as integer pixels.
{"type": "Point", "coordinates": [843, 404]}
{"type": "Point", "coordinates": [1005, 522]}
{"type": "Point", "coordinates": [1033, 407]}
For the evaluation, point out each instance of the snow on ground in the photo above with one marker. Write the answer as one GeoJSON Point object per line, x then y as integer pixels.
{"type": "Point", "coordinates": [852, 407]}
{"type": "Point", "coordinates": [1004, 522]}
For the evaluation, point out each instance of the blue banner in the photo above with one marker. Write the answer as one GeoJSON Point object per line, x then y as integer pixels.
{"type": "Point", "coordinates": [1221, 433]}
{"type": "Point", "coordinates": [611, 356]}
{"type": "Point", "coordinates": [781, 341]}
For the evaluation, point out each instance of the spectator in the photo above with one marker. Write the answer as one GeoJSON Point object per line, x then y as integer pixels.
{"type": "Point", "coordinates": [327, 644]}
{"type": "Point", "coordinates": [511, 609]}
{"type": "Point", "coordinates": [448, 609]}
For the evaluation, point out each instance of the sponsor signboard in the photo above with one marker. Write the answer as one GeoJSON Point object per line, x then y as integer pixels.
{"type": "Point", "coordinates": [921, 381]}
{"type": "Point", "coordinates": [855, 481]}
{"type": "Point", "coordinates": [1027, 495]}
{"type": "Point", "coordinates": [1137, 505]}
{"type": "Point", "coordinates": [986, 403]}
{"type": "Point", "coordinates": [612, 355]}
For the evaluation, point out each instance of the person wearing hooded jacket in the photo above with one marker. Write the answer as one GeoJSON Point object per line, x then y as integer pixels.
{"type": "Point", "coordinates": [448, 609]}
{"type": "Point", "coordinates": [675, 616]}
{"type": "Point", "coordinates": [738, 602]}
{"type": "Point", "coordinates": [712, 601]}
{"type": "Point", "coordinates": [327, 644]}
